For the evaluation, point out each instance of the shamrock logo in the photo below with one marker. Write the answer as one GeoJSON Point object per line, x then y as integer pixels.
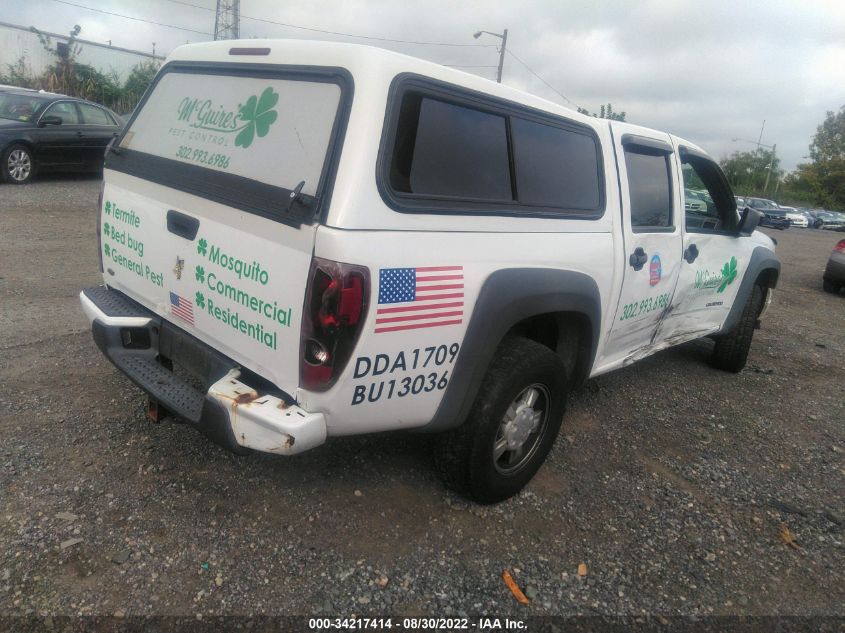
{"type": "Point", "coordinates": [202, 245]}
{"type": "Point", "coordinates": [728, 274]}
{"type": "Point", "coordinates": [259, 116]}
{"type": "Point", "coordinates": [200, 274]}
{"type": "Point", "coordinates": [108, 208]}
{"type": "Point", "coordinates": [106, 228]}
{"type": "Point", "coordinates": [200, 299]}
{"type": "Point", "coordinates": [107, 250]}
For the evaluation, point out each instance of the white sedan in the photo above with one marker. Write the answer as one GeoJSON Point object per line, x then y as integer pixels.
{"type": "Point", "coordinates": [796, 218]}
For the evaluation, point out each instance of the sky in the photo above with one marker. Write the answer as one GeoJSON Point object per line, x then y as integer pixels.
{"type": "Point", "coordinates": [710, 71]}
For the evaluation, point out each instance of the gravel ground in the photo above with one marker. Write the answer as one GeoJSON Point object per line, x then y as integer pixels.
{"type": "Point", "coordinates": [682, 490]}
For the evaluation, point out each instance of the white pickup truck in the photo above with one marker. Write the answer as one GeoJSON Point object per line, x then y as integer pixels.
{"type": "Point", "coordinates": [309, 239]}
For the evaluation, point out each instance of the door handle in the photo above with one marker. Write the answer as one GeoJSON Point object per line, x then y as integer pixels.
{"type": "Point", "coordinates": [79, 133]}
{"type": "Point", "coordinates": [182, 225]}
{"type": "Point", "coordinates": [691, 253]}
{"type": "Point", "coordinates": [638, 258]}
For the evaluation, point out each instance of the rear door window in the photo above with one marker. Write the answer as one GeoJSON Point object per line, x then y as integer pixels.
{"type": "Point", "coordinates": [92, 115]}
{"type": "Point", "coordinates": [650, 187]}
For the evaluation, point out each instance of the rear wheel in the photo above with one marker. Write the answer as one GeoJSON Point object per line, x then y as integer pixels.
{"type": "Point", "coordinates": [18, 165]}
{"type": "Point", "coordinates": [731, 350]}
{"type": "Point", "coordinates": [512, 425]}
{"type": "Point", "coordinates": [829, 286]}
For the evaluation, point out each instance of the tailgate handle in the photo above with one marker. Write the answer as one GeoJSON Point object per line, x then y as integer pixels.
{"type": "Point", "coordinates": [182, 225]}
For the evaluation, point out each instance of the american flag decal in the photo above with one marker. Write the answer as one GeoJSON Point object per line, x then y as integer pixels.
{"type": "Point", "coordinates": [182, 308]}
{"type": "Point", "coordinates": [414, 298]}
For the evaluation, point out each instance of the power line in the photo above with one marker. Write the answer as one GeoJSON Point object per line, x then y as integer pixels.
{"type": "Point", "coordinates": [341, 33]}
{"type": "Point", "coordinates": [556, 91]}
{"type": "Point", "coordinates": [129, 17]}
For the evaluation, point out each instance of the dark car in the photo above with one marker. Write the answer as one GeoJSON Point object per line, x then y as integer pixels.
{"type": "Point", "coordinates": [773, 215]}
{"type": "Point", "coordinates": [45, 131]}
{"type": "Point", "coordinates": [775, 218]}
{"type": "Point", "coordinates": [834, 274]}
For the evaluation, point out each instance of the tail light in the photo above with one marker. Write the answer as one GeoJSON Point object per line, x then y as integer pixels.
{"type": "Point", "coordinates": [100, 224]}
{"type": "Point", "coordinates": [840, 247]}
{"type": "Point", "coordinates": [335, 310]}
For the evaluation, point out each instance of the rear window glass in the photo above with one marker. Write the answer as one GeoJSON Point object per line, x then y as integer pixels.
{"type": "Point", "coordinates": [271, 130]}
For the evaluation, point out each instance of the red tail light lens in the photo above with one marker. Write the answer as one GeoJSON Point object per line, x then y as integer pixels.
{"type": "Point", "coordinates": [335, 310]}
{"type": "Point", "coordinates": [840, 247]}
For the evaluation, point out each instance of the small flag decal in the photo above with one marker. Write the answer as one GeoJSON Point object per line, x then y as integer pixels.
{"type": "Point", "coordinates": [414, 298]}
{"type": "Point", "coordinates": [182, 308]}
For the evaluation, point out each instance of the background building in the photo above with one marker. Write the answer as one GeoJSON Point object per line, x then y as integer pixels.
{"type": "Point", "coordinates": [19, 42]}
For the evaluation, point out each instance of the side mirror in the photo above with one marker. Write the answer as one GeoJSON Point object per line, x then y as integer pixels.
{"type": "Point", "coordinates": [50, 120]}
{"type": "Point", "coordinates": [749, 220]}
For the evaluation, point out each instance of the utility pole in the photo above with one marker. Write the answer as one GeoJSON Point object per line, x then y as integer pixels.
{"type": "Point", "coordinates": [227, 20]}
{"type": "Point", "coordinates": [504, 37]}
{"type": "Point", "coordinates": [769, 173]}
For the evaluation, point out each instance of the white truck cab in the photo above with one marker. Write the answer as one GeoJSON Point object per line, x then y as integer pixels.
{"type": "Point", "coordinates": [304, 239]}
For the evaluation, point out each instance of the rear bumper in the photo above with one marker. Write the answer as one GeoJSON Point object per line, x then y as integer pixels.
{"type": "Point", "coordinates": [232, 412]}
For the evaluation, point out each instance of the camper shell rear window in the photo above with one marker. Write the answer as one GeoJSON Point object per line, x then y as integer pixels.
{"type": "Point", "coordinates": [247, 136]}
{"type": "Point", "coordinates": [446, 149]}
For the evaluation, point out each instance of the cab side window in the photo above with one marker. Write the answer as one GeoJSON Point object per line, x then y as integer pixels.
{"type": "Point", "coordinates": [650, 187]}
{"type": "Point", "coordinates": [65, 110]}
{"type": "Point", "coordinates": [709, 204]}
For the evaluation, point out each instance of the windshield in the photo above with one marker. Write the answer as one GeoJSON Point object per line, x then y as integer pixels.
{"type": "Point", "coordinates": [19, 107]}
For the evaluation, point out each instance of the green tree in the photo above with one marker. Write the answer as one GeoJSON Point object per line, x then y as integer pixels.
{"type": "Point", "coordinates": [747, 171]}
{"type": "Point", "coordinates": [605, 112]}
{"type": "Point", "coordinates": [137, 83]}
{"type": "Point", "coordinates": [18, 74]}
{"type": "Point", "coordinates": [821, 182]}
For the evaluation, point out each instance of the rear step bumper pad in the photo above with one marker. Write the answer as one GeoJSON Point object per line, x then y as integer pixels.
{"type": "Point", "coordinates": [231, 413]}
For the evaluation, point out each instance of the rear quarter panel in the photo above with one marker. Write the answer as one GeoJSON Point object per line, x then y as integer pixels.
{"type": "Point", "coordinates": [397, 377]}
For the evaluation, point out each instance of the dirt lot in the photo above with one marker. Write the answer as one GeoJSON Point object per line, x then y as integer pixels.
{"type": "Point", "coordinates": [676, 485]}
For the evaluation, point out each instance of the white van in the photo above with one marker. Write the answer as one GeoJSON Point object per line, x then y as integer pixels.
{"type": "Point", "coordinates": [303, 239]}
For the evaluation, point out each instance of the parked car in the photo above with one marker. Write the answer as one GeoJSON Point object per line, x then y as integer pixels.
{"type": "Point", "coordinates": [773, 215]}
{"type": "Point", "coordinates": [440, 253]}
{"type": "Point", "coordinates": [795, 217]}
{"type": "Point", "coordinates": [830, 220]}
{"type": "Point", "coordinates": [833, 279]}
{"type": "Point", "coordinates": [775, 218]}
{"type": "Point", "coordinates": [41, 131]}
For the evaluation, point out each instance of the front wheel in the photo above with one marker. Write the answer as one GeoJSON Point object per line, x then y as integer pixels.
{"type": "Point", "coordinates": [829, 286]}
{"type": "Point", "coordinates": [512, 424]}
{"type": "Point", "coordinates": [18, 165]}
{"type": "Point", "coordinates": [731, 350]}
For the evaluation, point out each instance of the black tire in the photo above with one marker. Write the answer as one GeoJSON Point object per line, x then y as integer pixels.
{"type": "Point", "coordinates": [830, 287]}
{"type": "Point", "coordinates": [465, 457]}
{"type": "Point", "coordinates": [731, 350]}
{"type": "Point", "coordinates": [18, 164]}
